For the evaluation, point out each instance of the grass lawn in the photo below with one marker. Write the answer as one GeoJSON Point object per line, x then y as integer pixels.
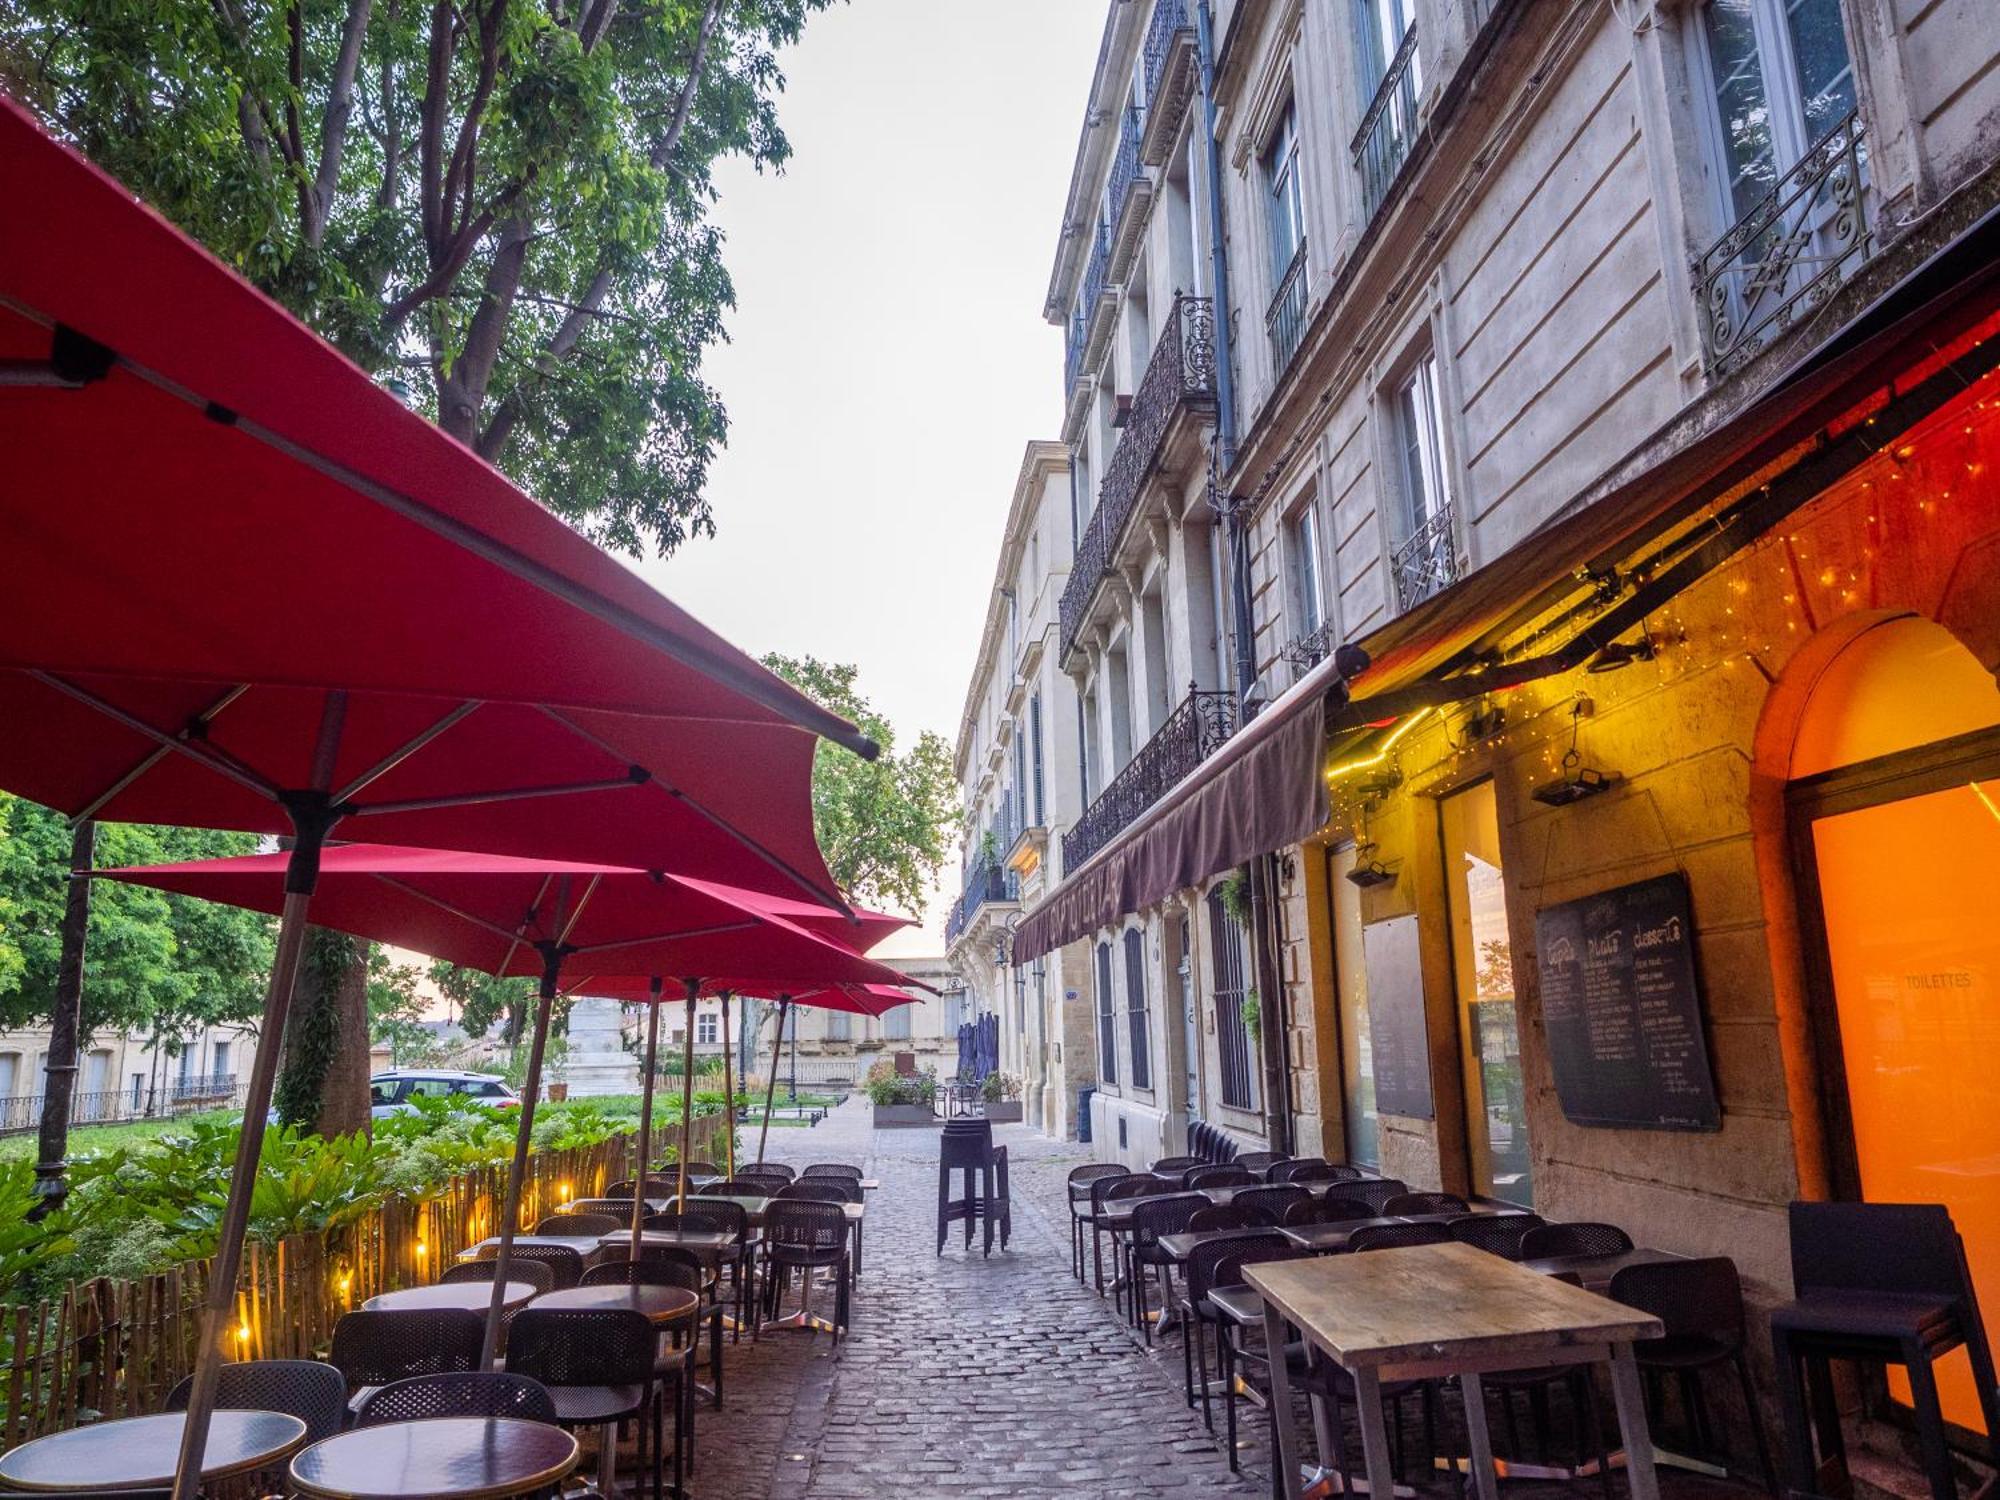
{"type": "Point", "coordinates": [22, 1147]}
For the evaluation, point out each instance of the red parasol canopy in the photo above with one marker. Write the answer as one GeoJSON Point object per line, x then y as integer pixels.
{"type": "Point", "coordinates": [856, 999]}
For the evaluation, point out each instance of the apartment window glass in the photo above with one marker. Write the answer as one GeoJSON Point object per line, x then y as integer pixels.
{"type": "Point", "coordinates": [1286, 207]}
{"type": "Point", "coordinates": [1420, 444]}
{"type": "Point", "coordinates": [1496, 1111]}
{"type": "Point", "coordinates": [1138, 1033]}
{"type": "Point", "coordinates": [1380, 26]}
{"type": "Point", "coordinates": [1107, 1027]}
{"type": "Point", "coordinates": [839, 1026]}
{"type": "Point", "coordinates": [1303, 544]}
{"type": "Point", "coordinates": [707, 1030]}
{"type": "Point", "coordinates": [896, 1024]}
{"type": "Point", "coordinates": [1357, 1064]}
{"type": "Point", "coordinates": [1233, 1051]}
{"type": "Point", "coordinates": [219, 1064]}
{"type": "Point", "coordinates": [1035, 755]}
{"type": "Point", "coordinates": [1782, 78]}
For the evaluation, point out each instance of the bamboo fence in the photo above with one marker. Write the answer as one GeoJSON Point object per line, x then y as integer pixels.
{"type": "Point", "coordinates": [115, 1348]}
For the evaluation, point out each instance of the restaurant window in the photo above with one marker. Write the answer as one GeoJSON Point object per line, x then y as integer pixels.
{"type": "Point", "coordinates": [1107, 1028]}
{"type": "Point", "coordinates": [1424, 557]}
{"type": "Point", "coordinates": [1357, 1066]}
{"type": "Point", "coordinates": [1138, 1034]}
{"type": "Point", "coordinates": [1496, 1109]}
{"type": "Point", "coordinates": [1236, 1076]}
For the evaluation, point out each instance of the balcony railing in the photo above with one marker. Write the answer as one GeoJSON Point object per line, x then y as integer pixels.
{"type": "Point", "coordinates": [1309, 650]}
{"type": "Point", "coordinates": [1181, 370]}
{"type": "Point", "coordinates": [1095, 274]}
{"type": "Point", "coordinates": [1125, 164]}
{"type": "Point", "coordinates": [1169, 77]}
{"type": "Point", "coordinates": [1285, 320]}
{"type": "Point", "coordinates": [172, 1097]}
{"type": "Point", "coordinates": [1192, 733]}
{"type": "Point", "coordinates": [1427, 561]}
{"type": "Point", "coordinates": [1382, 144]}
{"type": "Point", "coordinates": [1072, 356]}
{"type": "Point", "coordinates": [1788, 254]}
{"type": "Point", "coordinates": [986, 880]}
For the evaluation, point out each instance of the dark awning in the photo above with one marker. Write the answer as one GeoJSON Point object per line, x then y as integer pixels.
{"type": "Point", "coordinates": [1264, 790]}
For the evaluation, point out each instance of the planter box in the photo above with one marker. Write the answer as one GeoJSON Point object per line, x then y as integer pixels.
{"type": "Point", "coordinates": [887, 1115]}
{"type": "Point", "coordinates": [1005, 1112]}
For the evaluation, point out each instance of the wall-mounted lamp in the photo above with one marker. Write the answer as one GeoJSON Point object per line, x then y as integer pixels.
{"type": "Point", "coordinates": [1578, 780]}
{"type": "Point", "coordinates": [1621, 654]}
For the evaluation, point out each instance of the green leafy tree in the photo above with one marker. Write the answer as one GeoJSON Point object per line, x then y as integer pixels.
{"type": "Point", "coordinates": [396, 1011]}
{"type": "Point", "coordinates": [481, 1000]}
{"type": "Point", "coordinates": [164, 963]}
{"type": "Point", "coordinates": [884, 825]}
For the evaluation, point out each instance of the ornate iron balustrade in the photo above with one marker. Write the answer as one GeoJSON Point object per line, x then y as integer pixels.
{"type": "Point", "coordinates": [1285, 320]}
{"type": "Point", "coordinates": [985, 880]}
{"type": "Point", "coordinates": [1382, 144]}
{"type": "Point", "coordinates": [1170, 18]}
{"type": "Point", "coordinates": [1095, 272]}
{"type": "Point", "coordinates": [1182, 369]}
{"type": "Point", "coordinates": [1427, 561]}
{"type": "Point", "coordinates": [1125, 165]}
{"type": "Point", "coordinates": [1192, 733]}
{"type": "Point", "coordinates": [1309, 650]}
{"type": "Point", "coordinates": [1788, 254]}
{"type": "Point", "coordinates": [1073, 356]}
{"type": "Point", "coordinates": [1169, 72]}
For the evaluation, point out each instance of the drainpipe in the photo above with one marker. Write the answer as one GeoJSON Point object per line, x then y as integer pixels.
{"type": "Point", "coordinates": [1218, 259]}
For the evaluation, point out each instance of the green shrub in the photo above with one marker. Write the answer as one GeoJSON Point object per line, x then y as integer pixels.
{"type": "Point", "coordinates": [886, 1086]}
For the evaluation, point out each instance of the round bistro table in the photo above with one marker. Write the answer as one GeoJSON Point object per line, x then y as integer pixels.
{"type": "Point", "coordinates": [463, 1458]}
{"type": "Point", "coordinates": [472, 1296]}
{"type": "Point", "coordinates": [662, 1304]}
{"type": "Point", "coordinates": [140, 1453]}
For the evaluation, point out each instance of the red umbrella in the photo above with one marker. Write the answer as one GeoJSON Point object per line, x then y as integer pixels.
{"type": "Point", "coordinates": [504, 915]}
{"type": "Point", "coordinates": [248, 589]}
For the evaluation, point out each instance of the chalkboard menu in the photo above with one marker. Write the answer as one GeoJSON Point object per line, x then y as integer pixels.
{"type": "Point", "coordinates": [1622, 1011]}
{"type": "Point", "coordinates": [1398, 1040]}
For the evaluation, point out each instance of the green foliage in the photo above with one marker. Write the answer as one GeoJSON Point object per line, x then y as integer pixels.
{"type": "Point", "coordinates": [26, 1248]}
{"type": "Point", "coordinates": [883, 824]}
{"type": "Point", "coordinates": [998, 1088]}
{"type": "Point", "coordinates": [396, 1012]}
{"type": "Point", "coordinates": [1235, 889]}
{"type": "Point", "coordinates": [1253, 1015]}
{"type": "Point", "coordinates": [481, 1000]}
{"type": "Point", "coordinates": [312, 1031]}
{"type": "Point", "coordinates": [168, 964]}
{"type": "Point", "coordinates": [527, 238]}
{"type": "Point", "coordinates": [886, 1086]}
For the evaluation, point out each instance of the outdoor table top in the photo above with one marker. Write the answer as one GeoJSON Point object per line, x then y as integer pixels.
{"type": "Point", "coordinates": [663, 1304]}
{"type": "Point", "coordinates": [135, 1453]}
{"type": "Point", "coordinates": [1180, 1246]}
{"type": "Point", "coordinates": [473, 1296]}
{"type": "Point", "coordinates": [1431, 1304]}
{"type": "Point", "coordinates": [465, 1458]}
{"type": "Point", "coordinates": [701, 1241]}
{"type": "Point", "coordinates": [755, 1207]}
{"type": "Point", "coordinates": [1596, 1271]}
{"type": "Point", "coordinates": [585, 1245]}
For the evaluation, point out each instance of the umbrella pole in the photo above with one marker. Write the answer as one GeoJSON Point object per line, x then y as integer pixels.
{"type": "Point", "coordinates": [517, 1169]}
{"type": "Point", "coordinates": [312, 820]}
{"type": "Point", "coordinates": [687, 1088]}
{"type": "Point", "coordinates": [728, 1094]}
{"type": "Point", "coordinates": [771, 1083]}
{"type": "Point", "coordinates": [646, 1116]}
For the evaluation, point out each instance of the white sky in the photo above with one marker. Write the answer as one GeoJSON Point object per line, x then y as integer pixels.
{"type": "Point", "coordinates": [888, 358]}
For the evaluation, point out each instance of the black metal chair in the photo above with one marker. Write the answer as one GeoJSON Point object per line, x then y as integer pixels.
{"type": "Point", "coordinates": [1562, 1241]}
{"type": "Point", "coordinates": [1259, 1162]}
{"type": "Point", "coordinates": [1198, 1313]}
{"type": "Point", "coordinates": [1174, 1165]}
{"type": "Point", "coordinates": [1373, 1191]}
{"type": "Point", "coordinates": [472, 1393]}
{"type": "Point", "coordinates": [1202, 1178]}
{"type": "Point", "coordinates": [743, 1187]}
{"type": "Point", "coordinates": [671, 1266]}
{"type": "Point", "coordinates": [616, 1208]}
{"type": "Point", "coordinates": [1170, 1213]}
{"type": "Point", "coordinates": [833, 1169]}
{"type": "Point", "coordinates": [1080, 1179]}
{"type": "Point", "coordinates": [1586, 1428]}
{"type": "Point", "coordinates": [1102, 1196]}
{"type": "Point", "coordinates": [1496, 1234]}
{"type": "Point", "coordinates": [1327, 1211]}
{"type": "Point", "coordinates": [534, 1273]}
{"type": "Point", "coordinates": [1884, 1283]}
{"type": "Point", "coordinates": [982, 1173]}
{"type": "Point", "coordinates": [315, 1393]}
{"type": "Point", "coordinates": [1272, 1200]}
{"type": "Point", "coordinates": [565, 1265]}
{"type": "Point", "coordinates": [764, 1169]}
{"type": "Point", "coordinates": [825, 1189]}
{"type": "Point", "coordinates": [805, 1235]}
{"type": "Point", "coordinates": [1425, 1203]}
{"type": "Point", "coordinates": [721, 1217]}
{"type": "Point", "coordinates": [1219, 1216]}
{"type": "Point", "coordinates": [578, 1226]}
{"type": "Point", "coordinates": [376, 1347]}
{"type": "Point", "coordinates": [600, 1368]}
{"type": "Point", "coordinates": [1285, 1169]}
{"type": "Point", "coordinates": [703, 1169]}
{"type": "Point", "coordinates": [1700, 1305]}
{"type": "Point", "coordinates": [1397, 1236]}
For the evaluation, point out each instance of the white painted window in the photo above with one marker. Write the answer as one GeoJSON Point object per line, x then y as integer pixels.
{"type": "Point", "coordinates": [1420, 445]}
{"type": "Point", "coordinates": [1285, 208]}
{"type": "Point", "coordinates": [1302, 547]}
{"type": "Point", "coordinates": [896, 1025]}
{"type": "Point", "coordinates": [1379, 29]}
{"type": "Point", "coordinates": [707, 1030]}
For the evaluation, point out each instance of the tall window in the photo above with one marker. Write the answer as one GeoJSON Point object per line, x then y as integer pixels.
{"type": "Point", "coordinates": [1285, 218]}
{"type": "Point", "coordinates": [1232, 1036]}
{"type": "Point", "coordinates": [1380, 26]}
{"type": "Point", "coordinates": [1782, 79]}
{"type": "Point", "coordinates": [896, 1024]}
{"type": "Point", "coordinates": [1107, 1025]}
{"type": "Point", "coordinates": [707, 1031]}
{"type": "Point", "coordinates": [839, 1026]}
{"type": "Point", "coordinates": [1426, 554]}
{"type": "Point", "coordinates": [1303, 544]}
{"type": "Point", "coordinates": [1035, 754]}
{"type": "Point", "coordinates": [1085, 707]}
{"type": "Point", "coordinates": [1138, 1033]}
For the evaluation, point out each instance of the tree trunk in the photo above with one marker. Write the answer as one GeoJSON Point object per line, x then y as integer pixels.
{"type": "Point", "coordinates": [324, 1082]}
{"type": "Point", "coordinates": [59, 1085]}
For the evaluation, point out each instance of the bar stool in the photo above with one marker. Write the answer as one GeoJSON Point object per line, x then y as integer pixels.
{"type": "Point", "coordinates": [1885, 1283]}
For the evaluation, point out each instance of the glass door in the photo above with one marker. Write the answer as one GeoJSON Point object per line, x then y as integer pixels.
{"type": "Point", "coordinates": [1357, 1067]}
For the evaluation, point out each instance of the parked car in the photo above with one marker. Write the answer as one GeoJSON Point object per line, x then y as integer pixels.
{"type": "Point", "coordinates": [390, 1092]}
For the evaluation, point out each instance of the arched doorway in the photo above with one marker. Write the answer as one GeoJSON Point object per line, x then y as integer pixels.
{"type": "Point", "coordinates": [1894, 819]}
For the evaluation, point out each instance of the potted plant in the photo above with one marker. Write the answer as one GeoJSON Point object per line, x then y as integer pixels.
{"type": "Point", "coordinates": [1000, 1095]}
{"type": "Point", "coordinates": [899, 1099]}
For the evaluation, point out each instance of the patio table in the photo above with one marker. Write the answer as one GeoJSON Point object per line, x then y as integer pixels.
{"type": "Point", "coordinates": [1437, 1310]}
{"type": "Point", "coordinates": [138, 1453]}
{"type": "Point", "coordinates": [473, 1296]}
{"type": "Point", "coordinates": [464, 1458]}
{"type": "Point", "coordinates": [709, 1244]}
{"type": "Point", "coordinates": [584, 1245]}
{"type": "Point", "coordinates": [661, 1304]}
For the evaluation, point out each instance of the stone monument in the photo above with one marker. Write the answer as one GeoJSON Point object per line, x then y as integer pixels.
{"type": "Point", "coordinates": [598, 1062]}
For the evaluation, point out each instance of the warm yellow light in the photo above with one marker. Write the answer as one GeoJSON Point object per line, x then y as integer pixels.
{"type": "Point", "coordinates": [422, 1249]}
{"type": "Point", "coordinates": [242, 1333]}
{"type": "Point", "coordinates": [1396, 735]}
{"type": "Point", "coordinates": [562, 1191]}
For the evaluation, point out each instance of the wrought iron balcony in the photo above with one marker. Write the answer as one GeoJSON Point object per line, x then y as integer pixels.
{"type": "Point", "coordinates": [1382, 144]}
{"type": "Point", "coordinates": [1309, 650]}
{"type": "Point", "coordinates": [1427, 561]}
{"type": "Point", "coordinates": [1169, 78]}
{"type": "Point", "coordinates": [1285, 320]}
{"type": "Point", "coordinates": [1125, 165]}
{"type": "Point", "coordinates": [1130, 193]}
{"type": "Point", "coordinates": [1788, 254]}
{"type": "Point", "coordinates": [985, 881]}
{"type": "Point", "coordinates": [1092, 304]}
{"type": "Point", "coordinates": [1191, 734]}
{"type": "Point", "coordinates": [1072, 356]}
{"type": "Point", "coordinates": [1181, 371]}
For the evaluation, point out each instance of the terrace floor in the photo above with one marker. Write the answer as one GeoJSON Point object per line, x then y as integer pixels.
{"type": "Point", "coordinates": [976, 1377]}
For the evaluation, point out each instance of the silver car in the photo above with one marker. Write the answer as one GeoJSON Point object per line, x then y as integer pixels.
{"type": "Point", "coordinates": [389, 1093]}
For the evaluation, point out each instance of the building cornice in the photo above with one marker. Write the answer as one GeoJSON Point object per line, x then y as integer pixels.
{"type": "Point", "coordinates": [1122, 30]}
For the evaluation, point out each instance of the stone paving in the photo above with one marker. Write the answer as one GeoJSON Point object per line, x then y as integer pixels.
{"type": "Point", "coordinates": [977, 1377]}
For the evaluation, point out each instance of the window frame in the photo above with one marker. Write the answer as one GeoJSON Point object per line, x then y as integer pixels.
{"type": "Point", "coordinates": [1305, 565]}
{"type": "Point", "coordinates": [1281, 164]}
{"type": "Point", "coordinates": [1138, 1028]}
{"type": "Point", "coordinates": [1107, 1020]}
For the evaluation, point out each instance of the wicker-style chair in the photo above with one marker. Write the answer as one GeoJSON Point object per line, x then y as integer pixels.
{"type": "Point", "coordinates": [1327, 1211]}
{"type": "Point", "coordinates": [1175, 1165]}
{"type": "Point", "coordinates": [470, 1393]}
{"type": "Point", "coordinates": [1222, 1216]}
{"type": "Point", "coordinates": [1259, 1162]}
{"type": "Point", "coordinates": [1198, 1313]}
{"type": "Point", "coordinates": [1202, 1178]}
{"type": "Point", "coordinates": [1497, 1234]}
{"type": "Point", "coordinates": [1425, 1203]}
{"type": "Point", "coordinates": [565, 1265]}
{"type": "Point", "coordinates": [1170, 1213]}
{"type": "Point", "coordinates": [833, 1169]}
{"type": "Point", "coordinates": [672, 1267]}
{"type": "Point", "coordinates": [805, 1235]}
{"type": "Point", "coordinates": [578, 1226]}
{"type": "Point", "coordinates": [532, 1273]}
{"type": "Point", "coordinates": [1561, 1241]}
{"type": "Point", "coordinates": [373, 1348]}
{"type": "Point", "coordinates": [1373, 1191]}
{"type": "Point", "coordinates": [315, 1393]}
{"type": "Point", "coordinates": [1080, 1181]}
{"type": "Point", "coordinates": [824, 1189]}
{"type": "Point", "coordinates": [601, 1366]}
{"type": "Point", "coordinates": [1397, 1236]}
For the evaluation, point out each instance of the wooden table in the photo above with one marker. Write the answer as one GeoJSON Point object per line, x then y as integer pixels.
{"type": "Point", "coordinates": [141, 1453]}
{"type": "Point", "coordinates": [473, 1296]}
{"type": "Point", "coordinates": [464, 1458]}
{"type": "Point", "coordinates": [662, 1304]}
{"type": "Point", "coordinates": [1436, 1310]}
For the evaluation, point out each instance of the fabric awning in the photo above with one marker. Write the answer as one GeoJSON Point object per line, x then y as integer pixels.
{"type": "Point", "coordinates": [1264, 789]}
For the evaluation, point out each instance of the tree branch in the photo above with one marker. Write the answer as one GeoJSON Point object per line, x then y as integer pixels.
{"type": "Point", "coordinates": [459, 176]}
{"type": "Point", "coordinates": [430, 133]}
{"type": "Point", "coordinates": [339, 109]}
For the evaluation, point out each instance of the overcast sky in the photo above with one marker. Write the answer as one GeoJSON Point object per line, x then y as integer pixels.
{"type": "Point", "coordinates": [888, 358]}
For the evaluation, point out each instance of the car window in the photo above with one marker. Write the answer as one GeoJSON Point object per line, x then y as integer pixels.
{"type": "Point", "coordinates": [431, 1088]}
{"type": "Point", "coordinates": [382, 1093]}
{"type": "Point", "coordinates": [491, 1089]}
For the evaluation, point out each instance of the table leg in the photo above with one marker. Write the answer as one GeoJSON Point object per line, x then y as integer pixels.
{"type": "Point", "coordinates": [607, 1459]}
{"type": "Point", "coordinates": [1631, 1398]}
{"type": "Point", "coordinates": [1374, 1434]}
{"type": "Point", "coordinates": [1484, 1478]}
{"type": "Point", "coordinates": [1286, 1458]}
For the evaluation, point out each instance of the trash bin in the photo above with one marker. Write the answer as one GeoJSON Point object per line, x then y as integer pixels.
{"type": "Point", "coordinates": [1083, 1098]}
